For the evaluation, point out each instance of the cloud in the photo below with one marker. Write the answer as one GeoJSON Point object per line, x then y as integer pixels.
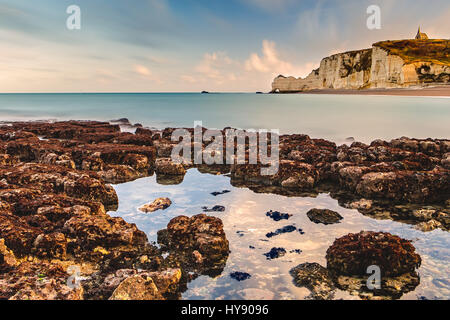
{"type": "Point", "coordinates": [142, 70]}
{"type": "Point", "coordinates": [187, 78]}
{"type": "Point", "coordinates": [270, 62]}
{"type": "Point", "coordinates": [216, 66]}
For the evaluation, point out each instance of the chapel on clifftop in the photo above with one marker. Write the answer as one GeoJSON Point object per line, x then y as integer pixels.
{"type": "Point", "coordinates": [421, 36]}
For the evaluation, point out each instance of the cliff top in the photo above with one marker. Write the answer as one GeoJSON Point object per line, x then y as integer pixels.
{"type": "Point", "coordinates": [433, 50]}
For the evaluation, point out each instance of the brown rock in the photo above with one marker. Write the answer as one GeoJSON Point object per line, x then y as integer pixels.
{"type": "Point", "coordinates": [158, 204]}
{"type": "Point", "coordinates": [165, 166]}
{"type": "Point", "coordinates": [137, 288]}
{"type": "Point", "coordinates": [7, 258]}
{"type": "Point", "coordinates": [352, 254]}
{"type": "Point", "coordinates": [324, 216]}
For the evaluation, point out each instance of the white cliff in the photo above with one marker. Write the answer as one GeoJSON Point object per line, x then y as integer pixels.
{"type": "Point", "coordinates": [378, 67]}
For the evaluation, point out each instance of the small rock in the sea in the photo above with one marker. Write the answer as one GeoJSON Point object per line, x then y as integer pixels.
{"type": "Point", "coordinates": [362, 204]}
{"type": "Point", "coordinates": [158, 204]}
{"type": "Point", "coordinates": [215, 194]}
{"type": "Point", "coordinates": [287, 229]}
{"type": "Point", "coordinates": [353, 253]}
{"type": "Point", "coordinates": [240, 276]}
{"type": "Point", "coordinates": [324, 216]}
{"type": "Point", "coordinates": [275, 253]}
{"type": "Point", "coordinates": [315, 278]}
{"type": "Point", "coordinates": [350, 139]}
{"type": "Point", "coordinates": [166, 166]}
{"type": "Point", "coordinates": [429, 225]}
{"type": "Point", "coordinates": [214, 209]}
{"type": "Point", "coordinates": [278, 216]}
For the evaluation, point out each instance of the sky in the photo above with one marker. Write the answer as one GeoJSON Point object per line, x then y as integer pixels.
{"type": "Point", "coordinates": [190, 46]}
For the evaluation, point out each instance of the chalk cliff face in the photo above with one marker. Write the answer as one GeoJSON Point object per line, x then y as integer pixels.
{"type": "Point", "coordinates": [377, 67]}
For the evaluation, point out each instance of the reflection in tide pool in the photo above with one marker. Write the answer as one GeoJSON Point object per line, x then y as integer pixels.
{"type": "Point", "coordinates": [246, 226]}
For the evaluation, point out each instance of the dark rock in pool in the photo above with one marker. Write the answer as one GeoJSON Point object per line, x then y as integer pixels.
{"type": "Point", "coordinates": [287, 229]}
{"type": "Point", "coordinates": [215, 194]}
{"type": "Point", "coordinates": [275, 253]}
{"type": "Point", "coordinates": [315, 278]}
{"type": "Point", "coordinates": [298, 251]}
{"type": "Point", "coordinates": [324, 216]}
{"type": "Point", "coordinates": [240, 276]}
{"type": "Point", "coordinates": [278, 216]}
{"type": "Point", "coordinates": [214, 209]}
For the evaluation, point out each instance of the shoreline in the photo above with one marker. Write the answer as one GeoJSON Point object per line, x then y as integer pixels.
{"type": "Point", "coordinates": [439, 92]}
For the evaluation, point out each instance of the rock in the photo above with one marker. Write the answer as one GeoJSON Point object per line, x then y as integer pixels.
{"type": "Point", "coordinates": [54, 195]}
{"type": "Point", "coordinates": [200, 233]}
{"type": "Point", "coordinates": [165, 166]}
{"type": "Point", "coordinates": [214, 209]}
{"type": "Point", "coordinates": [7, 258]}
{"type": "Point", "coordinates": [391, 287]}
{"type": "Point", "coordinates": [215, 194]}
{"type": "Point", "coordinates": [93, 231]}
{"type": "Point", "coordinates": [315, 278]}
{"type": "Point", "coordinates": [136, 287]}
{"type": "Point", "coordinates": [278, 216]}
{"type": "Point", "coordinates": [51, 246]}
{"type": "Point", "coordinates": [17, 234]}
{"type": "Point", "coordinates": [324, 216]}
{"type": "Point", "coordinates": [167, 281]}
{"type": "Point", "coordinates": [240, 276]}
{"type": "Point", "coordinates": [49, 290]}
{"type": "Point", "coordinates": [38, 281]}
{"type": "Point", "coordinates": [275, 253]}
{"type": "Point", "coordinates": [352, 254]}
{"type": "Point", "coordinates": [446, 161]}
{"type": "Point", "coordinates": [429, 225]}
{"type": "Point", "coordinates": [362, 204]}
{"type": "Point", "coordinates": [198, 258]}
{"type": "Point", "coordinates": [158, 204]}
{"type": "Point", "coordinates": [424, 214]}
{"type": "Point", "coordinates": [286, 229]}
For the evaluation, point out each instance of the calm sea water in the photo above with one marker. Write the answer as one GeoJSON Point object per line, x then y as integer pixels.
{"type": "Point", "coordinates": [333, 117]}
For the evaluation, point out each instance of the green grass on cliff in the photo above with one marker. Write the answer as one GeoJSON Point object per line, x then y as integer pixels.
{"type": "Point", "coordinates": [433, 50]}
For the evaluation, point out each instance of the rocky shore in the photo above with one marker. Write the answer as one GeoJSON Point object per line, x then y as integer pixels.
{"type": "Point", "coordinates": [55, 193]}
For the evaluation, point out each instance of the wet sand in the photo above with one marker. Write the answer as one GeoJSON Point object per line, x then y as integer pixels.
{"type": "Point", "coordinates": [440, 91]}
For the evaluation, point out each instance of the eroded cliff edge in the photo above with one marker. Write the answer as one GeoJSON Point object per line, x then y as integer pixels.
{"type": "Point", "coordinates": [388, 64]}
